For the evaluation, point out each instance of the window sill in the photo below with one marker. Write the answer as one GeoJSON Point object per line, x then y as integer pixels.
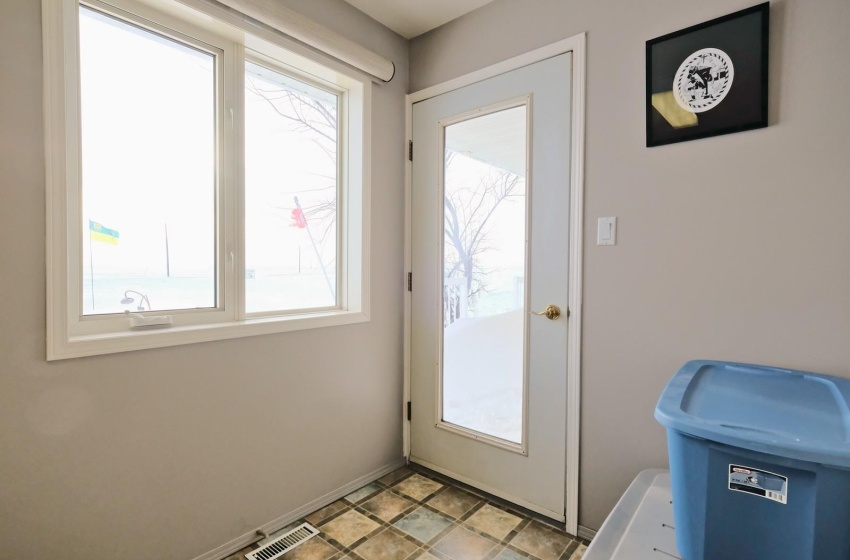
{"type": "Point", "coordinates": [127, 341]}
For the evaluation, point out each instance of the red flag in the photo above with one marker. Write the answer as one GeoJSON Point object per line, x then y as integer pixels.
{"type": "Point", "coordinates": [298, 219]}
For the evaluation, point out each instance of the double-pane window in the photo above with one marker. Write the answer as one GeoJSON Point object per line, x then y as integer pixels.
{"type": "Point", "coordinates": [214, 182]}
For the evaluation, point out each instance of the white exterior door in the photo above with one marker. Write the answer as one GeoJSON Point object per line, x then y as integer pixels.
{"type": "Point", "coordinates": [489, 247]}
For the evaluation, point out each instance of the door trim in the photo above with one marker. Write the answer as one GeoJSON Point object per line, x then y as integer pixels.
{"type": "Point", "coordinates": [577, 45]}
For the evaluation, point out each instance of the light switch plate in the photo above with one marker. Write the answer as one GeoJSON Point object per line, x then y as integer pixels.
{"type": "Point", "coordinates": [606, 231]}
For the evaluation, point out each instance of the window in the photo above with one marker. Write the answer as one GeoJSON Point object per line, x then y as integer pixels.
{"type": "Point", "coordinates": [291, 182]}
{"type": "Point", "coordinates": [203, 182]}
{"type": "Point", "coordinates": [148, 147]}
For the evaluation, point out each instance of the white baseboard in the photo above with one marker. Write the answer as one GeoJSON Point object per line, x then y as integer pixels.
{"type": "Point", "coordinates": [585, 533]}
{"type": "Point", "coordinates": [239, 543]}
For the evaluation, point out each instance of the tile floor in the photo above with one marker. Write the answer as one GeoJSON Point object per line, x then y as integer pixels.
{"type": "Point", "coordinates": [412, 514]}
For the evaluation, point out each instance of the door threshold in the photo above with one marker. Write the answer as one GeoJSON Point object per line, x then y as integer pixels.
{"type": "Point", "coordinates": [522, 506]}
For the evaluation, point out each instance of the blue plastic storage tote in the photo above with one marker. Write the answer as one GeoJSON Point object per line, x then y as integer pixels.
{"type": "Point", "coordinates": [759, 462]}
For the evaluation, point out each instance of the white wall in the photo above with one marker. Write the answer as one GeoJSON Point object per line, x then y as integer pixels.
{"type": "Point", "coordinates": [734, 248]}
{"type": "Point", "coordinates": [170, 453]}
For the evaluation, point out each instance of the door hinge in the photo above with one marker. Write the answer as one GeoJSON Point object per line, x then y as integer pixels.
{"type": "Point", "coordinates": [409, 281]}
{"type": "Point", "coordinates": [410, 150]}
{"type": "Point", "coordinates": [408, 411]}
{"type": "Point", "coordinates": [568, 312]}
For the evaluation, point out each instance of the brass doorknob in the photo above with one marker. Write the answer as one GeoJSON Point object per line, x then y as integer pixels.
{"type": "Point", "coordinates": [552, 312]}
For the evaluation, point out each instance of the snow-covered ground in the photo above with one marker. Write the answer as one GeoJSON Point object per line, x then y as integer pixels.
{"type": "Point", "coordinates": [483, 374]}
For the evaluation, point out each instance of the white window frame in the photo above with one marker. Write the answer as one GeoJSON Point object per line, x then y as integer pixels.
{"type": "Point", "coordinates": [69, 333]}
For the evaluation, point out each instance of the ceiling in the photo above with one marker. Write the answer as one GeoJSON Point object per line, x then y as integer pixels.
{"type": "Point", "coordinates": [410, 18]}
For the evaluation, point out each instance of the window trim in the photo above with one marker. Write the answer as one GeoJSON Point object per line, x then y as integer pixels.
{"type": "Point", "coordinates": [65, 337]}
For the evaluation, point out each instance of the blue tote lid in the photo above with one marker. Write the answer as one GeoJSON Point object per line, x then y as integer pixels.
{"type": "Point", "coordinates": [793, 414]}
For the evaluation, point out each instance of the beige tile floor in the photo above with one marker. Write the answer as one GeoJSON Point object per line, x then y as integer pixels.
{"type": "Point", "coordinates": [413, 514]}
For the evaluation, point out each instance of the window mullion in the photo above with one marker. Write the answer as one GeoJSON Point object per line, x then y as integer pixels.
{"type": "Point", "coordinates": [229, 170]}
{"type": "Point", "coordinates": [237, 130]}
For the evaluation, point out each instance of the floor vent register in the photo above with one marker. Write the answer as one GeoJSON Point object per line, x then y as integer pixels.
{"type": "Point", "coordinates": [284, 543]}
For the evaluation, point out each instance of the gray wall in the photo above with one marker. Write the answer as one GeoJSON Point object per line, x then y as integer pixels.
{"type": "Point", "coordinates": [170, 453]}
{"type": "Point", "coordinates": [730, 248]}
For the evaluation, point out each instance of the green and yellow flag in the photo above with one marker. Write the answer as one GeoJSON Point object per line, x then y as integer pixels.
{"type": "Point", "coordinates": [98, 232]}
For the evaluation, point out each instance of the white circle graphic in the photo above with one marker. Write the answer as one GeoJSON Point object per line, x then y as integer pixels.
{"type": "Point", "coordinates": [703, 80]}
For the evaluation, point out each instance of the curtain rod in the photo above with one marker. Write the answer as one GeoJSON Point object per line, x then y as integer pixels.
{"type": "Point", "coordinates": [315, 35]}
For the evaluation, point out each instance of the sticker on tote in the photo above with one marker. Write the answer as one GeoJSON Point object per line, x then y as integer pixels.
{"type": "Point", "coordinates": [758, 483]}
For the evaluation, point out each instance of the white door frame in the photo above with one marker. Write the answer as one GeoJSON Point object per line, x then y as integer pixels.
{"type": "Point", "coordinates": [576, 45]}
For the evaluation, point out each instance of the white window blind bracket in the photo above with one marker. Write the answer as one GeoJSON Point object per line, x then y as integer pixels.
{"type": "Point", "coordinates": [315, 35]}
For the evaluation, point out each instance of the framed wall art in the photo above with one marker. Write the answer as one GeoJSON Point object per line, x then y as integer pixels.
{"type": "Point", "coordinates": [709, 79]}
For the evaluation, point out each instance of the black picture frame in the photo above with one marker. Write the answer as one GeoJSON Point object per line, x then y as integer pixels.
{"type": "Point", "coordinates": [718, 70]}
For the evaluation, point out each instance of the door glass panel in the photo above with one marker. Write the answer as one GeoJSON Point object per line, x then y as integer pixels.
{"type": "Point", "coordinates": [484, 268]}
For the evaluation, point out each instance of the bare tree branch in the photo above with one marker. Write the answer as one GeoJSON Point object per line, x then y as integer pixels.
{"type": "Point", "coordinates": [468, 212]}
{"type": "Point", "coordinates": [318, 119]}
